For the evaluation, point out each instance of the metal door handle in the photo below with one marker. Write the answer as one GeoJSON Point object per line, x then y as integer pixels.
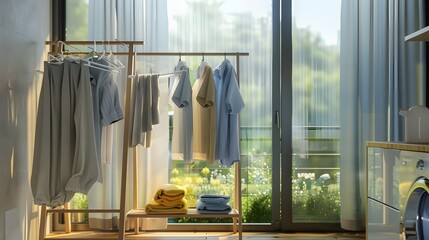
{"type": "Point", "coordinates": [278, 119]}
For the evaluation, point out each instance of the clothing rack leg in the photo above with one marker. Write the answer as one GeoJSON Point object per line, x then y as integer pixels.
{"type": "Point", "coordinates": [135, 188]}
{"type": "Point", "coordinates": [234, 225]}
{"type": "Point", "coordinates": [237, 196]}
{"type": "Point", "coordinates": [42, 224]}
{"type": "Point", "coordinates": [67, 221]}
{"type": "Point", "coordinates": [122, 215]}
{"type": "Point", "coordinates": [238, 169]}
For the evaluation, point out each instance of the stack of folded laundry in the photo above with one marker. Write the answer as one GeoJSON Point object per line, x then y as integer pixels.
{"type": "Point", "coordinates": [169, 199]}
{"type": "Point", "coordinates": [211, 203]}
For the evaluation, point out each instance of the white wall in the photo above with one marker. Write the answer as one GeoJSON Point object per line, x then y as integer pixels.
{"type": "Point", "coordinates": [24, 26]}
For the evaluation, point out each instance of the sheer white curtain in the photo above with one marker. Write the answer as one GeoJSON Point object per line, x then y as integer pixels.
{"type": "Point", "coordinates": [234, 26]}
{"type": "Point", "coordinates": [200, 26]}
{"type": "Point", "coordinates": [143, 21]}
{"type": "Point", "coordinates": [380, 73]}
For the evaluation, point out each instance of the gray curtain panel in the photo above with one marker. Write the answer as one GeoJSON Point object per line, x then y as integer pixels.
{"type": "Point", "coordinates": [380, 73]}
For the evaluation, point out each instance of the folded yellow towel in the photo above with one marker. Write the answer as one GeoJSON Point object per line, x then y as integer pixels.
{"type": "Point", "coordinates": [156, 208]}
{"type": "Point", "coordinates": [169, 194]}
{"type": "Point", "coordinates": [169, 203]}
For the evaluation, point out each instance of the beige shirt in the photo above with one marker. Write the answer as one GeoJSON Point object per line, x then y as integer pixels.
{"type": "Point", "coordinates": [204, 115]}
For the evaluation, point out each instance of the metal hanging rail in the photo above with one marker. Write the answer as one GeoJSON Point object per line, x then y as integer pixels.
{"type": "Point", "coordinates": [192, 54]}
{"type": "Point", "coordinates": [115, 42]}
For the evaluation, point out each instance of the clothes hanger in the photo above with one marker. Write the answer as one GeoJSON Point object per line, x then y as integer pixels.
{"type": "Point", "coordinates": [61, 49]}
{"type": "Point", "coordinates": [60, 57]}
{"type": "Point", "coordinates": [54, 60]}
{"type": "Point", "coordinates": [67, 45]}
{"type": "Point", "coordinates": [104, 51]}
{"type": "Point", "coordinates": [172, 74]}
{"type": "Point", "coordinates": [162, 75]}
{"type": "Point", "coordinates": [116, 62]}
{"type": "Point", "coordinates": [88, 59]}
{"type": "Point", "coordinates": [99, 66]}
{"type": "Point", "coordinates": [71, 56]}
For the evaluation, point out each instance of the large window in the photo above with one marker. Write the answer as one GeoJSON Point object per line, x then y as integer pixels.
{"type": "Point", "coordinates": [316, 115]}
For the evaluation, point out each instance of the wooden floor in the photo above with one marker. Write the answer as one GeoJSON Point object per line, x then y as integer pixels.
{"type": "Point", "coordinates": [211, 236]}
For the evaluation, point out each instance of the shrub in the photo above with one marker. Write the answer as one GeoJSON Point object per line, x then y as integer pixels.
{"type": "Point", "coordinates": [259, 210]}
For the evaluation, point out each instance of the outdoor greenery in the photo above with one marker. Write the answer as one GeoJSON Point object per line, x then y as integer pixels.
{"type": "Point", "coordinates": [259, 210]}
{"type": "Point", "coordinates": [79, 201]}
{"type": "Point", "coordinates": [323, 205]}
{"type": "Point", "coordinates": [77, 20]}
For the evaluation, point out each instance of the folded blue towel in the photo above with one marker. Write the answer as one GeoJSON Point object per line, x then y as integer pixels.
{"type": "Point", "coordinates": [213, 212]}
{"type": "Point", "coordinates": [216, 199]}
{"type": "Point", "coordinates": [212, 207]}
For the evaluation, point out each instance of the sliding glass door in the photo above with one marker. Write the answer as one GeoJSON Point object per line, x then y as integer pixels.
{"type": "Point", "coordinates": [310, 114]}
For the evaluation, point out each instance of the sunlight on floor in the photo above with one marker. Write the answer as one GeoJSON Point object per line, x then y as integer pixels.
{"type": "Point", "coordinates": [211, 236]}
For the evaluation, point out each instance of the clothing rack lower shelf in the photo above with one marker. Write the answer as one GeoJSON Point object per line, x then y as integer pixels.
{"type": "Point", "coordinates": [193, 213]}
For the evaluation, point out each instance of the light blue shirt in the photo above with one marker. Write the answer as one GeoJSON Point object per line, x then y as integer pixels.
{"type": "Point", "coordinates": [228, 105]}
{"type": "Point", "coordinates": [106, 106]}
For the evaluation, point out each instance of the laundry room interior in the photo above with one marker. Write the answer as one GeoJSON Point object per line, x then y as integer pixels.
{"type": "Point", "coordinates": [214, 119]}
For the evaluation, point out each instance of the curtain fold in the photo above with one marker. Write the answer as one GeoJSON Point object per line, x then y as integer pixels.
{"type": "Point", "coordinates": [351, 214]}
{"type": "Point", "coordinates": [380, 73]}
{"type": "Point", "coordinates": [143, 20]}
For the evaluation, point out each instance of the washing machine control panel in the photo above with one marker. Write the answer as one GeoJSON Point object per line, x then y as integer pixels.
{"type": "Point", "coordinates": [420, 164]}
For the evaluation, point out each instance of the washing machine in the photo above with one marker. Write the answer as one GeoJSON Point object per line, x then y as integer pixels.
{"type": "Point", "coordinates": [413, 176]}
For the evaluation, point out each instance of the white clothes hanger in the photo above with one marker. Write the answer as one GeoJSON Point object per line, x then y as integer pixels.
{"type": "Point", "coordinates": [114, 64]}
{"type": "Point", "coordinates": [114, 60]}
{"type": "Point", "coordinates": [172, 74]}
{"type": "Point", "coordinates": [55, 59]}
{"type": "Point", "coordinates": [99, 66]}
{"type": "Point", "coordinates": [162, 75]}
{"type": "Point", "coordinates": [95, 64]}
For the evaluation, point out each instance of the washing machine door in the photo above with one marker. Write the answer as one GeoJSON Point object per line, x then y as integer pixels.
{"type": "Point", "coordinates": [415, 219]}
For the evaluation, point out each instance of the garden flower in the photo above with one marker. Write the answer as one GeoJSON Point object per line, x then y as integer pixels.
{"type": "Point", "coordinates": [205, 171]}
{"type": "Point", "coordinates": [174, 171]}
{"type": "Point", "coordinates": [200, 180]}
{"type": "Point", "coordinates": [215, 182]}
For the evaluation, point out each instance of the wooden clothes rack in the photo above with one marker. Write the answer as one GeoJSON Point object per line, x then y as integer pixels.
{"type": "Point", "coordinates": [235, 214]}
{"type": "Point", "coordinates": [121, 210]}
{"type": "Point", "coordinates": [136, 213]}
